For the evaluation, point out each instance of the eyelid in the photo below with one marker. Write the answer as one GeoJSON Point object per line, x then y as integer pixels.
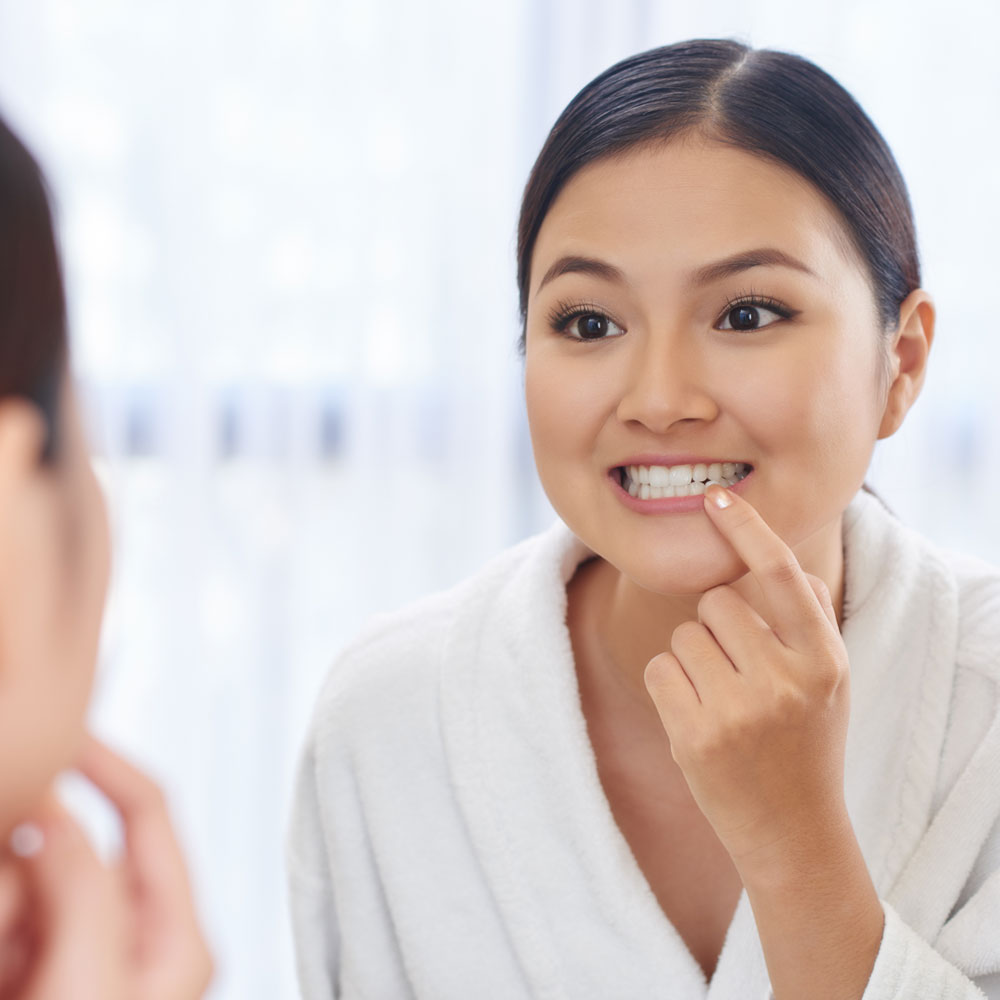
{"type": "Point", "coordinates": [758, 301]}
{"type": "Point", "coordinates": [563, 314]}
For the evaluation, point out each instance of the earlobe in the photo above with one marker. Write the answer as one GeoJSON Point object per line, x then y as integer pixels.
{"type": "Point", "coordinates": [911, 344]}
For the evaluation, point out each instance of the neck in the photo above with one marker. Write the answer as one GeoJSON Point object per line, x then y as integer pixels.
{"type": "Point", "coordinates": [623, 626]}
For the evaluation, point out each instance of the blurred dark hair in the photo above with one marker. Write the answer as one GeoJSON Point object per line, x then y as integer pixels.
{"type": "Point", "coordinates": [773, 104]}
{"type": "Point", "coordinates": [33, 341]}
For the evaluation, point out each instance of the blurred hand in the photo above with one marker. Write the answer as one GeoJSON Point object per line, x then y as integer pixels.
{"type": "Point", "coordinates": [73, 928]}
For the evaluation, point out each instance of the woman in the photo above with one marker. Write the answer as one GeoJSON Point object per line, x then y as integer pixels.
{"type": "Point", "coordinates": [617, 763]}
{"type": "Point", "coordinates": [71, 927]}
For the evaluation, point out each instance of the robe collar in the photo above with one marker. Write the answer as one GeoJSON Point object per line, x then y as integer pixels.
{"type": "Point", "coordinates": [582, 919]}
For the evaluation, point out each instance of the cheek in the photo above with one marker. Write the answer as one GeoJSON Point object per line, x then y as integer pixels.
{"type": "Point", "coordinates": [815, 407]}
{"type": "Point", "coordinates": [814, 425]}
{"type": "Point", "coordinates": [83, 566]}
{"type": "Point", "coordinates": [565, 408]}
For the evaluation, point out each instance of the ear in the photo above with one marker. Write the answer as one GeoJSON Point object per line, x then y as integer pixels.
{"type": "Point", "coordinates": [908, 359]}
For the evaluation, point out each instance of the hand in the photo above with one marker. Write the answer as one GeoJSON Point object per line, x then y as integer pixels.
{"type": "Point", "coordinates": [79, 930]}
{"type": "Point", "coordinates": [756, 710]}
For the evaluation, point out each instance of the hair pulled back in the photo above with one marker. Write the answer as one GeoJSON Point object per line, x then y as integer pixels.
{"type": "Point", "coordinates": [773, 104]}
{"type": "Point", "coordinates": [33, 341]}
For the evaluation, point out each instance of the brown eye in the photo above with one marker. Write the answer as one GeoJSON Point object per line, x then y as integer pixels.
{"type": "Point", "coordinates": [591, 326]}
{"type": "Point", "coordinates": [747, 316]}
{"type": "Point", "coordinates": [744, 318]}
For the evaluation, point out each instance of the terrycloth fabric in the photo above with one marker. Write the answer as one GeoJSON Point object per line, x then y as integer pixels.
{"type": "Point", "coordinates": [450, 837]}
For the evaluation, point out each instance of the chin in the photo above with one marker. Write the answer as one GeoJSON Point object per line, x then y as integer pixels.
{"type": "Point", "coordinates": [687, 585]}
{"type": "Point", "coordinates": [679, 575]}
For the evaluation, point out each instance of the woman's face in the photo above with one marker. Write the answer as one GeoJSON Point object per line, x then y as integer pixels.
{"type": "Point", "coordinates": [693, 304]}
{"type": "Point", "coordinates": [54, 566]}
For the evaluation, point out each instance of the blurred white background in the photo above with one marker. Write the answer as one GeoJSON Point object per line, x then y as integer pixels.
{"type": "Point", "coordinates": [289, 235]}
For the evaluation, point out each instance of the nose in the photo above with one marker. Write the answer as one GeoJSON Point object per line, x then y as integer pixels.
{"type": "Point", "coordinates": [666, 382]}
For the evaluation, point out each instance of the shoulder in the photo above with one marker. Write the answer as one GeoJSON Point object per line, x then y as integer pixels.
{"type": "Point", "coordinates": [391, 667]}
{"type": "Point", "coordinates": [978, 589]}
{"type": "Point", "coordinates": [896, 565]}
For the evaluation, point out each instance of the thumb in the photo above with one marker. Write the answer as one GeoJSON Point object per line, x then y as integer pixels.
{"type": "Point", "coordinates": [14, 941]}
{"type": "Point", "coordinates": [78, 916]}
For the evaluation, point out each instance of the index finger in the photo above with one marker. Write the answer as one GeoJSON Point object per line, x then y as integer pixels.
{"type": "Point", "coordinates": [167, 929]}
{"type": "Point", "coordinates": [793, 601]}
{"type": "Point", "coordinates": [153, 857]}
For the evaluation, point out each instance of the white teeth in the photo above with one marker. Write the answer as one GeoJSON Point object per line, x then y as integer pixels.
{"type": "Point", "coordinates": [680, 475]}
{"type": "Point", "coordinates": [655, 482]}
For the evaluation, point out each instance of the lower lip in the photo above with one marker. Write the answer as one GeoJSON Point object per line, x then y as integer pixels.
{"type": "Point", "coordinates": [667, 505]}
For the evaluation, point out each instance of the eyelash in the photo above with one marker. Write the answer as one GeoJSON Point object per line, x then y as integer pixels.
{"type": "Point", "coordinates": [757, 301]}
{"type": "Point", "coordinates": [564, 313]}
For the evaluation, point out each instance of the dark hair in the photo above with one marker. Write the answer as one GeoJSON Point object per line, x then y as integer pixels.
{"type": "Point", "coordinates": [33, 341]}
{"type": "Point", "coordinates": [770, 103]}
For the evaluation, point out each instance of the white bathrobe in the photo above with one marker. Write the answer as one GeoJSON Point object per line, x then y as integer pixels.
{"type": "Point", "coordinates": [450, 838]}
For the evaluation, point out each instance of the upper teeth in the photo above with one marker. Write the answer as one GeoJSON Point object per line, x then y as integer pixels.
{"type": "Point", "coordinates": [679, 479]}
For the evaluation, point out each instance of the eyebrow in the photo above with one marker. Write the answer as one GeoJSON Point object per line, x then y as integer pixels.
{"type": "Point", "coordinates": [582, 265]}
{"type": "Point", "coordinates": [745, 260]}
{"type": "Point", "coordinates": [725, 268]}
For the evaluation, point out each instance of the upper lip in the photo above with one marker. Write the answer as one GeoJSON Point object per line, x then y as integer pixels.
{"type": "Point", "coordinates": [669, 460]}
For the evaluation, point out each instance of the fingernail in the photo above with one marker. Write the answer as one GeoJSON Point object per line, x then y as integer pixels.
{"type": "Point", "coordinates": [26, 840]}
{"type": "Point", "coordinates": [719, 496]}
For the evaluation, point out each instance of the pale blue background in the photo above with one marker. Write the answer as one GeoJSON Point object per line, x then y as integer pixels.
{"type": "Point", "coordinates": [289, 229]}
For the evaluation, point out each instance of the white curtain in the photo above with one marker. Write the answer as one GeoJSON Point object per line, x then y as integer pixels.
{"type": "Point", "coordinates": [289, 235]}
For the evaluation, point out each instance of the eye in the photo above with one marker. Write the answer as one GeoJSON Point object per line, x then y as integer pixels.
{"type": "Point", "coordinates": [752, 314]}
{"type": "Point", "coordinates": [585, 324]}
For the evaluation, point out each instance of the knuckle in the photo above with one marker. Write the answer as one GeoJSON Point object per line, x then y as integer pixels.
{"type": "Point", "coordinates": [782, 569]}
{"type": "Point", "coordinates": [831, 677]}
{"type": "Point", "coordinates": [743, 516]}
{"type": "Point", "coordinates": [820, 589]}
{"type": "Point", "coordinates": [687, 635]}
{"type": "Point", "coordinates": [657, 672]}
{"type": "Point", "coordinates": [715, 601]}
{"type": "Point", "coordinates": [716, 743]}
{"type": "Point", "coordinates": [680, 749]}
{"type": "Point", "coordinates": [149, 797]}
{"type": "Point", "coordinates": [790, 701]}
{"type": "Point", "coordinates": [728, 733]}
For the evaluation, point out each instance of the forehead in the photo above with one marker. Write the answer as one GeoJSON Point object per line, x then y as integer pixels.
{"type": "Point", "coordinates": [691, 200]}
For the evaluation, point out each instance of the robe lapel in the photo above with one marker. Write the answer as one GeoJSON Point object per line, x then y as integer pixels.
{"type": "Point", "coordinates": [901, 632]}
{"type": "Point", "coordinates": [582, 919]}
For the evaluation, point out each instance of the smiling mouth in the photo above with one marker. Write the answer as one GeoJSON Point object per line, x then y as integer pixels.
{"type": "Point", "coordinates": [657, 482]}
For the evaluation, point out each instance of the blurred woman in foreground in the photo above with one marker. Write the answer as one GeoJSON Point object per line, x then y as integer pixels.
{"type": "Point", "coordinates": [71, 927]}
